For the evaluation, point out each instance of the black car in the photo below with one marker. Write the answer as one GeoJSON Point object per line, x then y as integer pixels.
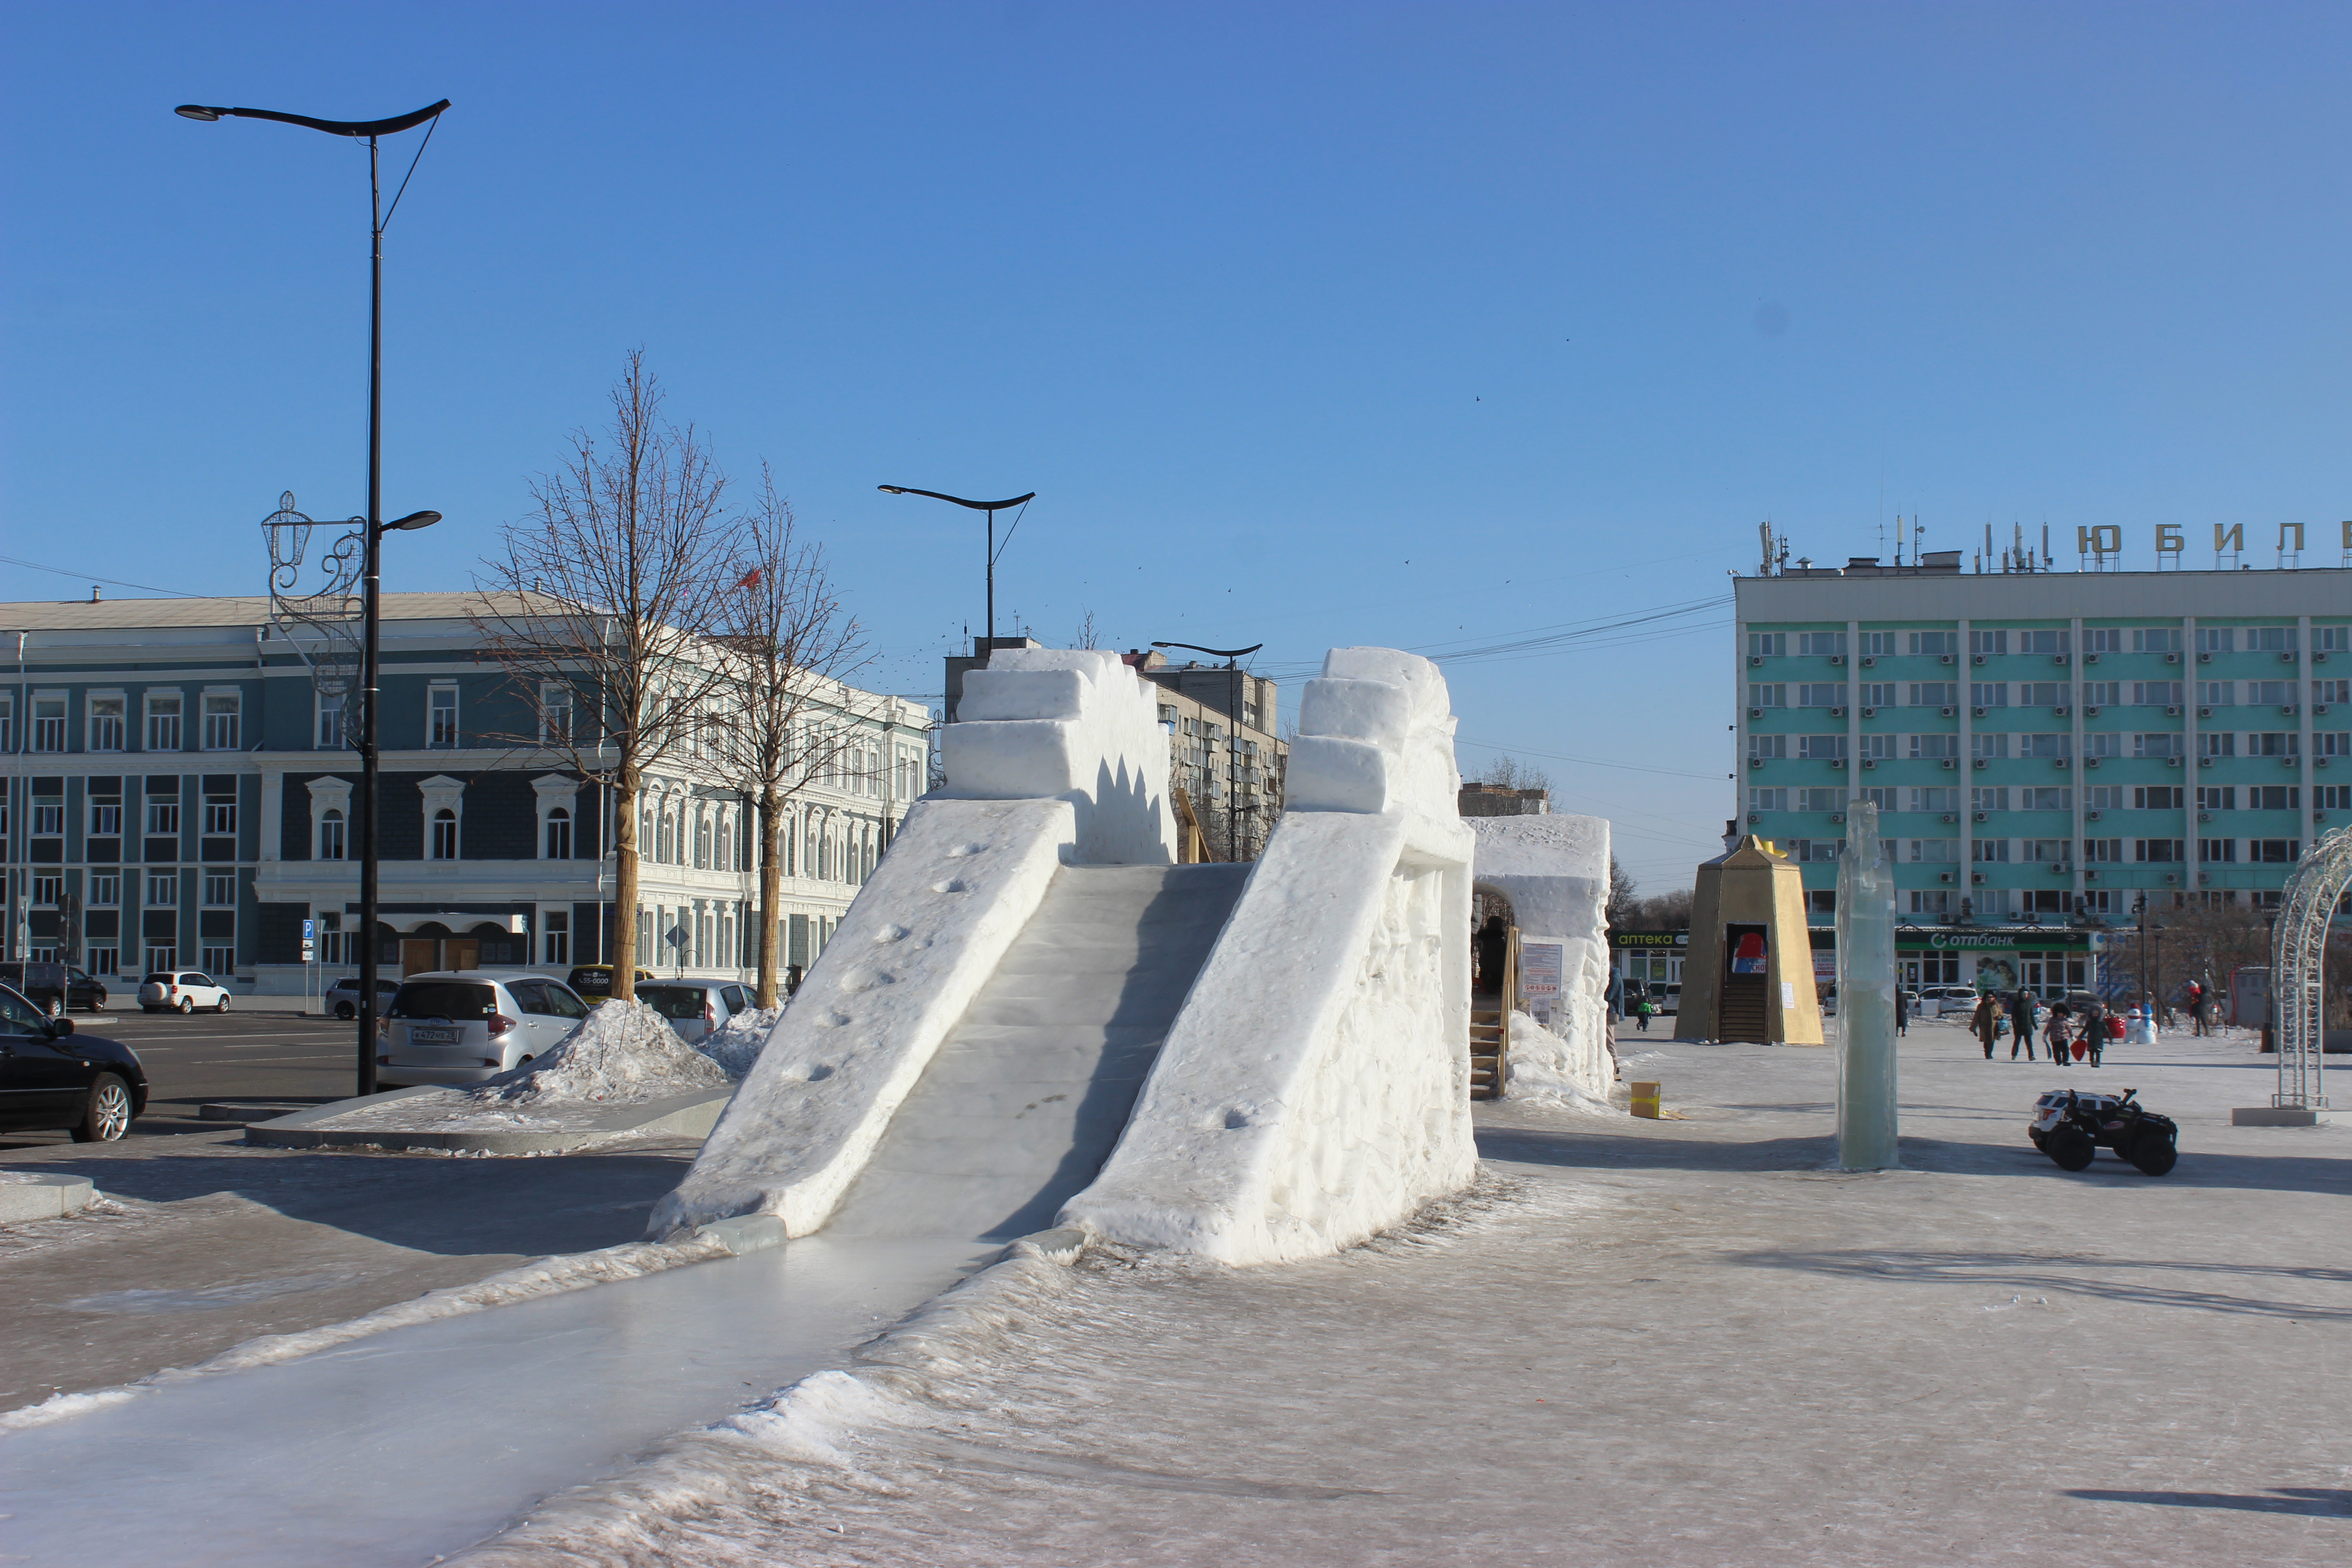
{"type": "Point", "coordinates": [53, 987]}
{"type": "Point", "coordinates": [52, 1077]}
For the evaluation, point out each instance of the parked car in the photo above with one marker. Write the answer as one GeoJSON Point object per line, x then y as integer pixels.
{"type": "Point", "coordinates": [181, 991]}
{"type": "Point", "coordinates": [1669, 999]}
{"type": "Point", "coordinates": [52, 1077]}
{"type": "Point", "coordinates": [47, 986]}
{"type": "Point", "coordinates": [462, 1026]}
{"type": "Point", "coordinates": [595, 981]}
{"type": "Point", "coordinates": [1935, 1001]}
{"type": "Point", "coordinates": [342, 998]}
{"type": "Point", "coordinates": [695, 1008]}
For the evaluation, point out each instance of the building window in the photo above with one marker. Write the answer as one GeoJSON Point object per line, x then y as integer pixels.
{"type": "Point", "coordinates": [164, 720]}
{"type": "Point", "coordinates": [221, 714]}
{"type": "Point", "coordinates": [2156, 693]}
{"type": "Point", "coordinates": [1824, 694]}
{"type": "Point", "coordinates": [2159, 798]}
{"type": "Point", "coordinates": [1820, 748]}
{"type": "Point", "coordinates": [162, 960]}
{"type": "Point", "coordinates": [106, 888]}
{"type": "Point", "coordinates": [559, 834]}
{"type": "Point", "coordinates": [49, 814]}
{"type": "Point", "coordinates": [1821, 800]}
{"type": "Point", "coordinates": [2217, 851]}
{"type": "Point", "coordinates": [1935, 797]}
{"type": "Point", "coordinates": [2103, 850]}
{"type": "Point", "coordinates": [106, 726]}
{"type": "Point", "coordinates": [1942, 645]}
{"type": "Point", "coordinates": [162, 817]}
{"type": "Point", "coordinates": [220, 817]}
{"type": "Point", "coordinates": [1989, 694]}
{"type": "Point", "coordinates": [220, 889]}
{"type": "Point", "coordinates": [2102, 694]}
{"type": "Point", "coordinates": [554, 715]}
{"type": "Point", "coordinates": [2108, 639]}
{"type": "Point", "coordinates": [2042, 642]}
{"type": "Point", "coordinates": [163, 889]}
{"type": "Point", "coordinates": [1880, 645]}
{"type": "Point", "coordinates": [444, 835]}
{"type": "Point", "coordinates": [2157, 744]}
{"type": "Point", "coordinates": [1989, 642]}
{"type": "Point", "coordinates": [2216, 693]}
{"type": "Point", "coordinates": [1820, 644]}
{"type": "Point", "coordinates": [2158, 851]}
{"type": "Point", "coordinates": [702, 844]}
{"type": "Point", "coordinates": [48, 888]}
{"type": "Point", "coordinates": [1990, 747]}
{"type": "Point", "coordinates": [1993, 851]}
{"type": "Point", "coordinates": [8, 723]}
{"type": "Point", "coordinates": [555, 936]}
{"type": "Point", "coordinates": [332, 845]}
{"type": "Point", "coordinates": [49, 723]}
{"type": "Point", "coordinates": [2273, 851]}
{"type": "Point", "coordinates": [219, 960]}
{"type": "Point", "coordinates": [330, 736]}
{"type": "Point", "coordinates": [1767, 800]}
{"type": "Point", "coordinates": [2217, 639]}
{"type": "Point", "coordinates": [441, 716]}
{"type": "Point", "coordinates": [1766, 644]}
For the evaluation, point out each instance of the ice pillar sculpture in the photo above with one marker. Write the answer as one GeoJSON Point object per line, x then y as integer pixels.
{"type": "Point", "coordinates": [1865, 972]}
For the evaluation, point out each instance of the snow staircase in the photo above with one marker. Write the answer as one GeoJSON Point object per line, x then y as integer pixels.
{"type": "Point", "coordinates": [1030, 1091]}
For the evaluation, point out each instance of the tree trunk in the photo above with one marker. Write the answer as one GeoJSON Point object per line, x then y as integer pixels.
{"type": "Point", "coordinates": [772, 887]}
{"type": "Point", "coordinates": [623, 956]}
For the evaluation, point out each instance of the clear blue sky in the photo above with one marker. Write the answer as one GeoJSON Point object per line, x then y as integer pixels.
{"type": "Point", "coordinates": [1309, 325]}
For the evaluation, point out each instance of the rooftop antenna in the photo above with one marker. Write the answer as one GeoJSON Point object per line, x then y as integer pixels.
{"type": "Point", "coordinates": [1988, 549]}
{"type": "Point", "coordinates": [1898, 539]}
{"type": "Point", "coordinates": [2048, 560]}
{"type": "Point", "coordinates": [1765, 529]}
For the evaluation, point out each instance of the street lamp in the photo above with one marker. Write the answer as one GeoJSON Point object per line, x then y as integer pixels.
{"type": "Point", "coordinates": [991, 507]}
{"type": "Point", "coordinates": [376, 527]}
{"type": "Point", "coordinates": [1233, 722]}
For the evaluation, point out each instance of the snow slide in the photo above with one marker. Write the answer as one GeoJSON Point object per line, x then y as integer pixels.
{"type": "Point", "coordinates": [981, 1044]}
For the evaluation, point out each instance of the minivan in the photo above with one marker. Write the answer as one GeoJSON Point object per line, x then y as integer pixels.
{"type": "Point", "coordinates": [463, 1025]}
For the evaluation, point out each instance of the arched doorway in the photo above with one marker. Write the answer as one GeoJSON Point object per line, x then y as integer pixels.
{"type": "Point", "coordinates": [1494, 989]}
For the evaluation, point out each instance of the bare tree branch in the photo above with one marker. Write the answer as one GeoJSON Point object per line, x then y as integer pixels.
{"type": "Point", "coordinates": [790, 652]}
{"type": "Point", "coordinates": [602, 610]}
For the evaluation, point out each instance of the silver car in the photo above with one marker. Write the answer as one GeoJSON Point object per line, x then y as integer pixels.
{"type": "Point", "coordinates": [342, 998]}
{"type": "Point", "coordinates": [464, 1025]}
{"type": "Point", "coordinates": [695, 1008]}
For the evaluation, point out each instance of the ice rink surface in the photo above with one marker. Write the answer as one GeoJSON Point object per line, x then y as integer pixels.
{"type": "Point", "coordinates": [1681, 1342]}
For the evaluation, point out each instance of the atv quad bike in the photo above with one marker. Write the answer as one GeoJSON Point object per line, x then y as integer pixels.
{"type": "Point", "coordinates": [2069, 1126]}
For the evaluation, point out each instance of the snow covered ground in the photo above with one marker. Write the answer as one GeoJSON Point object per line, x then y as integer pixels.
{"type": "Point", "coordinates": [1681, 1342]}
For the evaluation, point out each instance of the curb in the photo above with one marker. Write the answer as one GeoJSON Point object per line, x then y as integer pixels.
{"type": "Point", "coordinates": [689, 1115]}
{"type": "Point", "coordinates": [27, 1195]}
{"type": "Point", "coordinates": [248, 1110]}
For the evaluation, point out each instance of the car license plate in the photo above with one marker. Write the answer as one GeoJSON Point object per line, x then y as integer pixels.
{"type": "Point", "coordinates": [433, 1037]}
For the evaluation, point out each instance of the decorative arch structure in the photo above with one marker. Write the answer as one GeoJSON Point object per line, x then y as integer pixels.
{"type": "Point", "coordinates": [2298, 966]}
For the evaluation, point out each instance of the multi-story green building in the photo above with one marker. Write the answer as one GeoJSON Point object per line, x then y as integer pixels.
{"type": "Point", "coordinates": [2047, 747]}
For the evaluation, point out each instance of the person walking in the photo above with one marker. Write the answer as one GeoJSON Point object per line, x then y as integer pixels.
{"type": "Point", "coordinates": [2197, 1007]}
{"type": "Point", "coordinates": [2021, 1023]}
{"type": "Point", "coordinates": [2053, 1033]}
{"type": "Point", "coordinates": [1986, 1022]}
{"type": "Point", "coordinates": [1643, 1011]}
{"type": "Point", "coordinates": [1902, 1012]}
{"type": "Point", "coordinates": [2110, 1028]}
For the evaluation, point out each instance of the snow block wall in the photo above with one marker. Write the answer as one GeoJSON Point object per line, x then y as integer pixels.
{"type": "Point", "coordinates": [1062, 761]}
{"type": "Point", "coordinates": [1555, 872]}
{"type": "Point", "coordinates": [1071, 724]}
{"type": "Point", "coordinates": [1314, 1088]}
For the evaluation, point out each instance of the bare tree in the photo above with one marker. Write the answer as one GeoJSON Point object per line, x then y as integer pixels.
{"type": "Point", "coordinates": [1507, 771]}
{"type": "Point", "coordinates": [601, 608]}
{"type": "Point", "coordinates": [1621, 905]}
{"type": "Point", "coordinates": [790, 653]}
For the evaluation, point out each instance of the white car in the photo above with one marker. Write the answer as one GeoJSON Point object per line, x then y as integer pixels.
{"type": "Point", "coordinates": [1940, 1001]}
{"type": "Point", "coordinates": [695, 1008]}
{"type": "Point", "coordinates": [181, 991]}
{"type": "Point", "coordinates": [463, 1025]}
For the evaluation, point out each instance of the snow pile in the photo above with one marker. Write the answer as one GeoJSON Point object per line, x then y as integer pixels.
{"type": "Point", "coordinates": [736, 1045]}
{"type": "Point", "coordinates": [623, 1053]}
{"type": "Point", "coordinates": [1548, 1070]}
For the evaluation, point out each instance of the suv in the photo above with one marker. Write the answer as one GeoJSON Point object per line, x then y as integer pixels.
{"type": "Point", "coordinates": [54, 987]}
{"type": "Point", "coordinates": [342, 998]}
{"type": "Point", "coordinates": [463, 1025]}
{"type": "Point", "coordinates": [1935, 1001]}
{"type": "Point", "coordinates": [181, 991]}
{"type": "Point", "coordinates": [695, 1008]}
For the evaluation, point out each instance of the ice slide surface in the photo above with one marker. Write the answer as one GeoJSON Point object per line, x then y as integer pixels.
{"type": "Point", "coordinates": [1022, 1103]}
{"type": "Point", "coordinates": [421, 1441]}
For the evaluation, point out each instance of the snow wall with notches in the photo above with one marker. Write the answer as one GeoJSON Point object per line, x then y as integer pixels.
{"type": "Point", "coordinates": [1061, 759]}
{"type": "Point", "coordinates": [1314, 1088]}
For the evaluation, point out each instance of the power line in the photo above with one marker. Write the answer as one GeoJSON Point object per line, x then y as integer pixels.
{"type": "Point", "coordinates": [110, 581]}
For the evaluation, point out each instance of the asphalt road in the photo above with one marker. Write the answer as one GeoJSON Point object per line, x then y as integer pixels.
{"type": "Point", "coordinates": [206, 1056]}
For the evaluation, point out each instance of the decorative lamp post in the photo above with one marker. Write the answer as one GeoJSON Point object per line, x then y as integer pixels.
{"type": "Point", "coordinates": [991, 507]}
{"type": "Point", "coordinates": [376, 528]}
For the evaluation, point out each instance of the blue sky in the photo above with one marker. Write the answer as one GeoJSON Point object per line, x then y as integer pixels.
{"type": "Point", "coordinates": [1309, 325]}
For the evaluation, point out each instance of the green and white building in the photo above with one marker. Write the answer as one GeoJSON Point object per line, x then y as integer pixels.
{"type": "Point", "coordinates": [2046, 747]}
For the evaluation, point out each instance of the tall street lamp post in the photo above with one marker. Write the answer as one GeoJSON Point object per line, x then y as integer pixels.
{"type": "Point", "coordinates": [376, 527]}
{"type": "Point", "coordinates": [1232, 655]}
{"type": "Point", "coordinates": [991, 507]}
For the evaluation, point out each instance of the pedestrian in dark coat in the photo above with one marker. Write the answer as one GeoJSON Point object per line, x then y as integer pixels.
{"type": "Point", "coordinates": [1986, 1022]}
{"type": "Point", "coordinates": [2020, 1024]}
{"type": "Point", "coordinates": [1902, 1012]}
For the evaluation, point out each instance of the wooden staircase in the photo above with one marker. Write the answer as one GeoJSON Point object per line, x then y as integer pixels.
{"type": "Point", "coordinates": [1490, 1028]}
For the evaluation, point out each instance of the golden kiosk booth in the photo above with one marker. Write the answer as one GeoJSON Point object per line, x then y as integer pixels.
{"type": "Point", "coordinates": [1749, 971]}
